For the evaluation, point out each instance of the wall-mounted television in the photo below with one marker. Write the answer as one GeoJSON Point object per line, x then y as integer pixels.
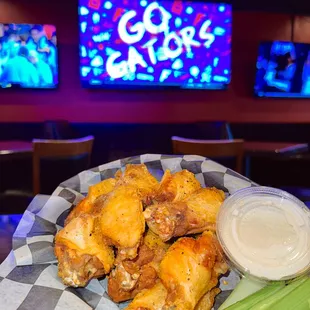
{"type": "Point", "coordinates": [283, 70]}
{"type": "Point", "coordinates": [28, 56]}
{"type": "Point", "coordinates": [183, 44]}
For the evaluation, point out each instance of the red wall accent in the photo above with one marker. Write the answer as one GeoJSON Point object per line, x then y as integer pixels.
{"type": "Point", "coordinates": [75, 104]}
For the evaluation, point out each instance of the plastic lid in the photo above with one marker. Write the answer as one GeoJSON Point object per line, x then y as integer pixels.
{"type": "Point", "coordinates": [265, 233]}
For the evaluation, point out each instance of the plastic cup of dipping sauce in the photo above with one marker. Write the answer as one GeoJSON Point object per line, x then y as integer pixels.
{"type": "Point", "coordinates": [265, 233]}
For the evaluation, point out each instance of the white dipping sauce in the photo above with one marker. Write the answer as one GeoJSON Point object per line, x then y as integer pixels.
{"type": "Point", "coordinates": [267, 235]}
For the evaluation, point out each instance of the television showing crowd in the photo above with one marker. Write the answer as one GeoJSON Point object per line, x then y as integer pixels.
{"type": "Point", "coordinates": [28, 56]}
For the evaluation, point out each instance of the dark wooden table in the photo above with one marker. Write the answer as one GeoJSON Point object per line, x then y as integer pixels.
{"type": "Point", "coordinates": [8, 225]}
{"type": "Point", "coordinates": [14, 147]}
{"type": "Point", "coordinates": [270, 149]}
{"type": "Point", "coordinates": [253, 148]}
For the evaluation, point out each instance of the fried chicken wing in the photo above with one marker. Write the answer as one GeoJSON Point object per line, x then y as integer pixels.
{"type": "Point", "coordinates": [124, 286]}
{"type": "Point", "coordinates": [207, 301]}
{"type": "Point", "coordinates": [159, 248]}
{"type": "Point", "coordinates": [132, 276]}
{"type": "Point", "coordinates": [194, 214]}
{"type": "Point", "coordinates": [187, 270]}
{"type": "Point", "coordinates": [87, 204]}
{"type": "Point", "coordinates": [177, 186]}
{"type": "Point", "coordinates": [122, 220]}
{"type": "Point", "coordinates": [189, 273]}
{"type": "Point", "coordinates": [167, 219]}
{"type": "Point", "coordinates": [138, 176]}
{"type": "Point", "coordinates": [82, 252]}
{"type": "Point", "coordinates": [151, 299]}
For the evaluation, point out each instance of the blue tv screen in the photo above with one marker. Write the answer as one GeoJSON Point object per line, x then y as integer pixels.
{"type": "Point", "coordinates": [28, 56]}
{"type": "Point", "coordinates": [283, 70]}
{"type": "Point", "coordinates": [182, 44]}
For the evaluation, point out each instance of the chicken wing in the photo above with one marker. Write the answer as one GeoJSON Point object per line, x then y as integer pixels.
{"type": "Point", "coordinates": [207, 301]}
{"type": "Point", "coordinates": [87, 204]}
{"type": "Point", "coordinates": [82, 252]}
{"type": "Point", "coordinates": [177, 186]}
{"type": "Point", "coordinates": [122, 220]}
{"type": "Point", "coordinates": [187, 270]}
{"type": "Point", "coordinates": [138, 176]}
{"type": "Point", "coordinates": [151, 299]}
{"type": "Point", "coordinates": [132, 276]}
{"type": "Point", "coordinates": [194, 214]}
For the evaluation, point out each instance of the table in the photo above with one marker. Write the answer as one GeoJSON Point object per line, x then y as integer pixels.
{"type": "Point", "coordinates": [270, 149]}
{"type": "Point", "coordinates": [8, 224]}
{"type": "Point", "coordinates": [14, 147]}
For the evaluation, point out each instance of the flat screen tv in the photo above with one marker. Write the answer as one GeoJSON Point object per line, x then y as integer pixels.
{"type": "Point", "coordinates": [283, 70]}
{"type": "Point", "coordinates": [183, 44]}
{"type": "Point", "coordinates": [28, 56]}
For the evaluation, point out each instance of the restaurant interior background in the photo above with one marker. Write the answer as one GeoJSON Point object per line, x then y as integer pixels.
{"type": "Point", "coordinates": [131, 122]}
{"type": "Point", "coordinates": [237, 104]}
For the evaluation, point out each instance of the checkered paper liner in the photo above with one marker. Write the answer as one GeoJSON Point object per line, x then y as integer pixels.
{"type": "Point", "coordinates": [28, 276]}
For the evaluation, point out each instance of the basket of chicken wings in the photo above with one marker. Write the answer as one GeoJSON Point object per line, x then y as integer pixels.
{"type": "Point", "coordinates": [137, 233]}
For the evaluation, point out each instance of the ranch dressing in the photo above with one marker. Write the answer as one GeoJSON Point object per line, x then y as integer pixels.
{"type": "Point", "coordinates": [266, 235]}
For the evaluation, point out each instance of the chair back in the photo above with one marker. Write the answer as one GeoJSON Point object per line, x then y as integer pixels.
{"type": "Point", "coordinates": [210, 148]}
{"type": "Point", "coordinates": [58, 149]}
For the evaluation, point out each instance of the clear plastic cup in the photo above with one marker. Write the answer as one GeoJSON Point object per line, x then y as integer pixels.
{"type": "Point", "coordinates": [265, 234]}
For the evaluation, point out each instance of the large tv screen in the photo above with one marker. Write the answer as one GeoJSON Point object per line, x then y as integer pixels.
{"type": "Point", "coordinates": [28, 56]}
{"type": "Point", "coordinates": [283, 70]}
{"type": "Point", "coordinates": [181, 44]}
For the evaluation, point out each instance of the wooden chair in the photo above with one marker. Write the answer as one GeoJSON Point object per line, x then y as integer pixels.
{"type": "Point", "coordinates": [58, 149]}
{"type": "Point", "coordinates": [210, 148]}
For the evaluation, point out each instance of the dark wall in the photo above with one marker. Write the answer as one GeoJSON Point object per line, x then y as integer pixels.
{"type": "Point", "coordinates": [281, 6]}
{"type": "Point", "coordinates": [75, 104]}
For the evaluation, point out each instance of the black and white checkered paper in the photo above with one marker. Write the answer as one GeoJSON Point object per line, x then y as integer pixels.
{"type": "Point", "coordinates": [28, 277]}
